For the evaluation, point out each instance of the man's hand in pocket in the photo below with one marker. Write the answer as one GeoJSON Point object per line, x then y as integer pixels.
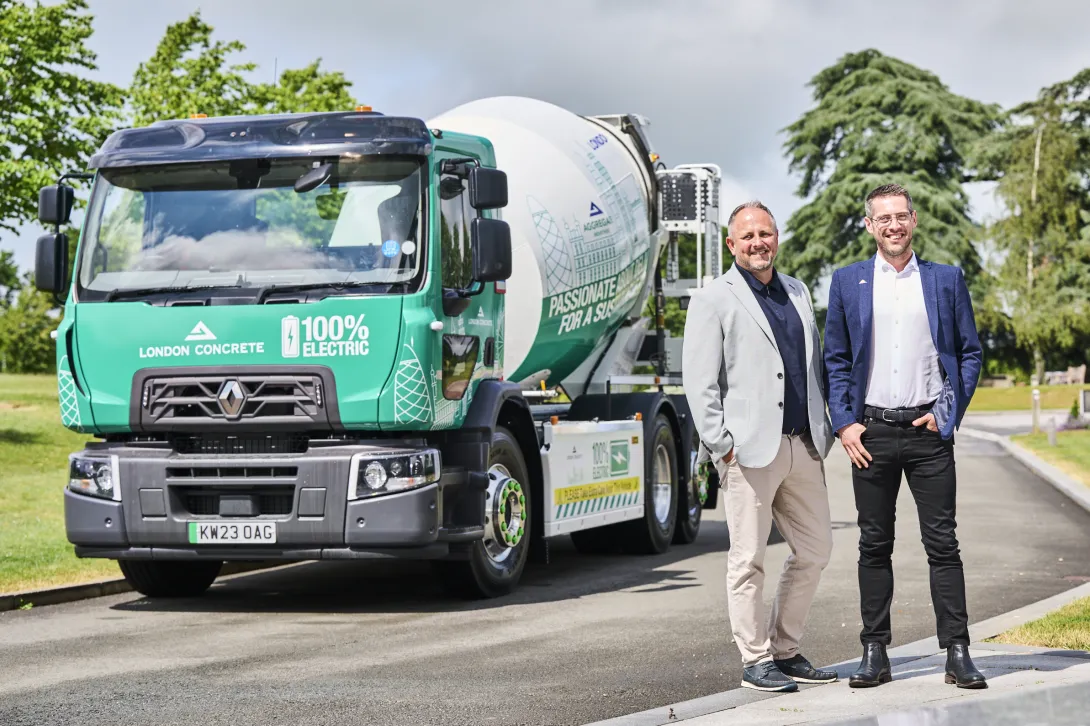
{"type": "Point", "coordinates": [929, 421]}
{"type": "Point", "coordinates": [851, 438]}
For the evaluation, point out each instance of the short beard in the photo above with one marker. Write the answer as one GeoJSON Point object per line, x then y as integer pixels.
{"type": "Point", "coordinates": [890, 253]}
{"type": "Point", "coordinates": [756, 265]}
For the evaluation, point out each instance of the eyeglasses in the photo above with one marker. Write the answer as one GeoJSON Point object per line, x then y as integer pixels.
{"type": "Point", "coordinates": [887, 219]}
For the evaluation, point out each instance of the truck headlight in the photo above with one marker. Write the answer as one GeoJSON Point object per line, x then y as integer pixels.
{"type": "Point", "coordinates": [373, 474]}
{"type": "Point", "coordinates": [95, 476]}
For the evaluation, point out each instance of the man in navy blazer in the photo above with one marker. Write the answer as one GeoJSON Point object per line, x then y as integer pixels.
{"type": "Point", "coordinates": [902, 360]}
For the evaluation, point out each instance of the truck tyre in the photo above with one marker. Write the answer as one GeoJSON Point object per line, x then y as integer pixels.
{"type": "Point", "coordinates": [496, 561]}
{"type": "Point", "coordinates": [170, 579]}
{"type": "Point", "coordinates": [652, 533]}
{"type": "Point", "coordinates": [690, 502]}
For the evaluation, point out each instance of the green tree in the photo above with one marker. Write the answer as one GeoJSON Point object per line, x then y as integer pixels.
{"type": "Point", "coordinates": [1041, 281]}
{"type": "Point", "coordinates": [880, 120]}
{"type": "Point", "coordinates": [304, 90]}
{"type": "Point", "coordinates": [188, 74]}
{"type": "Point", "coordinates": [9, 279]}
{"type": "Point", "coordinates": [25, 326]}
{"type": "Point", "coordinates": [51, 116]}
{"type": "Point", "coordinates": [192, 73]}
{"type": "Point", "coordinates": [674, 316]}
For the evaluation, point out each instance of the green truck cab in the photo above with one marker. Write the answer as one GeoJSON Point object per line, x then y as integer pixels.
{"type": "Point", "coordinates": [288, 349]}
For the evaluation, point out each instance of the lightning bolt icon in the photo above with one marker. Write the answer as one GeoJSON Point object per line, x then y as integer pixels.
{"type": "Point", "coordinates": [289, 345]}
{"type": "Point", "coordinates": [618, 457]}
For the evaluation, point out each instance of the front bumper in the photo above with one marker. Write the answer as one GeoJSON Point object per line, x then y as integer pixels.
{"type": "Point", "coordinates": [306, 495]}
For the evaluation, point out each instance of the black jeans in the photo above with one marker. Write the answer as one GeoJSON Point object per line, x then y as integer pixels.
{"type": "Point", "coordinates": [928, 463]}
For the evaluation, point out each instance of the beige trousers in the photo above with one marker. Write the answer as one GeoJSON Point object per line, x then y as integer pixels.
{"type": "Point", "coordinates": [791, 491]}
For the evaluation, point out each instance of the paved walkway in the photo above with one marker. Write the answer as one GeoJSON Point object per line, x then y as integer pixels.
{"type": "Point", "coordinates": [1009, 423]}
{"type": "Point", "coordinates": [1026, 686]}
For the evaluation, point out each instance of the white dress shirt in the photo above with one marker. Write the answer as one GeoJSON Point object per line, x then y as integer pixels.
{"type": "Point", "coordinates": [904, 365]}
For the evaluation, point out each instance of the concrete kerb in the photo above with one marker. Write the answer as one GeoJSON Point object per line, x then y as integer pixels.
{"type": "Point", "coordinates": [102, 588]}
{"type": "Point", "coordinates": [1074, 490]}
{"type": "Point", "coordinates": [899, 655]}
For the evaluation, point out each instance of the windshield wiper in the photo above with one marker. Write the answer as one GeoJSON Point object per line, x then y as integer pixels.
{"type": "Point", "coordinates": [141, 291]}
{"type": "Point", "coordinates": [269, 290]}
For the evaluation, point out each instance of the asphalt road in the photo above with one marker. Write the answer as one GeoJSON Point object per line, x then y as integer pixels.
{"type": "Point", "coordinates": [586, 638]}
{"type": "Point", "coordinates": [1009, 423]}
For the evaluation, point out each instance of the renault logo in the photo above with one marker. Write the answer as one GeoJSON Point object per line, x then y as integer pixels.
{"type": "Point", "coordinates": [231, 397]}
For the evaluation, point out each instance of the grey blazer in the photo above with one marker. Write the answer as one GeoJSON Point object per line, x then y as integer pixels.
{"type": "Point", "coordinates": [733, 372]}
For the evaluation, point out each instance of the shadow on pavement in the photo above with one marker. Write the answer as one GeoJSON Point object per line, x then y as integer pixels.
{"type": "Point", "coordinates": [409, 586]}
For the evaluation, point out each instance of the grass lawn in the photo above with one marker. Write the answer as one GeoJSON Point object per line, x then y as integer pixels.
{"type": "Point", "coordinates": [1071, 454]}
{"type": "Point", "coordinates": [34, 448]}
{"type": "Point", "coordinates": [1020, 398]}
{"type": "Point", "coordinates": [1068, 627]}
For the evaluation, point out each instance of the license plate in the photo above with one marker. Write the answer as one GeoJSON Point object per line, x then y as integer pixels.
{"type": "Point", "coordinates": [232, 532]}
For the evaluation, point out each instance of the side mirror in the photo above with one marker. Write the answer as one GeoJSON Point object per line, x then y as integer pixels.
{"type": "Point", "coordinates": [55, 204]}
{"type": "Point", "coordinates": [487, 188]}
{"type": "Point", "coordinates": [51, 263]}
{"type": "Point", "coordinates": [491, 242]}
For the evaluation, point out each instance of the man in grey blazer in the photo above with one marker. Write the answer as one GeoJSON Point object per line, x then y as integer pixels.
{"type": "Point", "coordinates": [753, 377]}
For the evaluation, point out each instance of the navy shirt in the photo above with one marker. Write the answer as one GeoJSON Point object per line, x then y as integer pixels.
{"type": "Point", "coordinates": [791, 340]}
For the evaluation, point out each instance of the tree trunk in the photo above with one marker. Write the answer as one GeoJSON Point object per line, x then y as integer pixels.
{"type": "Point", "coordinates": [1038, 365]}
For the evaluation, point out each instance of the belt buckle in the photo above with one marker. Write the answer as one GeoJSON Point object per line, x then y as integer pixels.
{"type": "Point", "coordinates": [887, 420]}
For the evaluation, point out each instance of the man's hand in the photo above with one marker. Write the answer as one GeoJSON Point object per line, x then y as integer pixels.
{"type": "Point", "coordinates": [851, 438]}
{"type": "Point", "coordinates": [929, 420]}
{"type": "Point", "coordinates": [729, 457]}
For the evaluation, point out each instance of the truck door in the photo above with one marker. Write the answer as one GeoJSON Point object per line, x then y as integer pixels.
{"type": "Point", "coordinates": [471, 335]}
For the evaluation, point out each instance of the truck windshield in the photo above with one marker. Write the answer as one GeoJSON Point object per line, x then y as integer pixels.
{"type": "Point", "coordinates": [243, 225]}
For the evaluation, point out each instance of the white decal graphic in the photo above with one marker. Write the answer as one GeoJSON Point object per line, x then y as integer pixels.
{"type": "Point", "coordinates": [66, 389]}
{"type": "Point", "coordinates": [200, 332]}
{"type": "Point", "coordinates": [480, 320]}
{"type": "Point", "coordinates": [412, 400]}
{"type": "Point", "coordinates": [322, 336]}
{"type": "Point", "coordinates": [289, 337]}
{"type": "Point", "coordinates": [558, 258]}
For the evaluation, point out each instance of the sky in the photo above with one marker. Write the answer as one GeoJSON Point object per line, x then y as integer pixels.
{"type": "Point", "coordinates": [718, 79]}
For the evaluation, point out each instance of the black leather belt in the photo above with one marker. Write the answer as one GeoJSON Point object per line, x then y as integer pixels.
{"type": "Point", "coordinates": [896, 415]}
{"type": "Point", "coordinates": [797, 432]}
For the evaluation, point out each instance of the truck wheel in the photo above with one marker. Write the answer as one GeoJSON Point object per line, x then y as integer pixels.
{"type": "Point", "coordinates": [170, 579]}
{"type": "Point", "coordinates": [496, 561]}
{"type": "Point", "coordinates": [653, 532]}
{"type": "Point", "coordinates": [691, 500]}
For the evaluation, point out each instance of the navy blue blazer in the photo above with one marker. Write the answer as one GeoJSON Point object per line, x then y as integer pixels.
{"type": "Point", "coordinates": [848, 332]}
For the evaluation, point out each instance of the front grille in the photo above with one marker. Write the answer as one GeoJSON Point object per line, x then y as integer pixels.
{"type": "Point", "coordinates": [232, 399]}
{"type": "Point", "coordinates": [205, 501]}
{"type": "Point", "coordinates": [257, 444]}
{"type": "Point", "coordinates": [232, 472]}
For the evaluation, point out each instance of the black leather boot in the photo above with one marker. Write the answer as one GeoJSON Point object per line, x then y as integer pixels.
{"type": "Point", "coordinates": [960, 669]}
{"type": "Point", "coordinates": [874, 669]}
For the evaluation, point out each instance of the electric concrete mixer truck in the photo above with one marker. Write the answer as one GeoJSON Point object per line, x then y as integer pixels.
{"type": "Point", "coordinates": [353, 335]}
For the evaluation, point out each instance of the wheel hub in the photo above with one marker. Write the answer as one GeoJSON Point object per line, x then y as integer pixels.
{"type": "Point", "coordinates": [662, 486]}
{"type": "Point", "coordinates": [504, 507]}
